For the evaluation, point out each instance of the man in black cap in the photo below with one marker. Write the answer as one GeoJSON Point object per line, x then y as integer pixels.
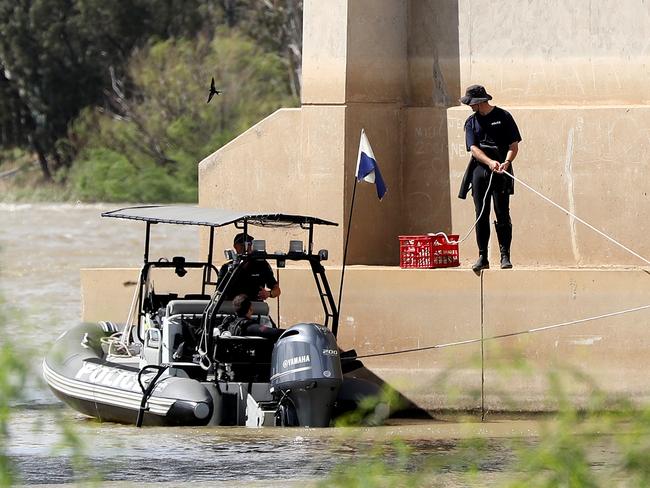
{"type": "Point", "coordinates": [255, 279]}
{"type": "Point", "coordinates": [492, 136]}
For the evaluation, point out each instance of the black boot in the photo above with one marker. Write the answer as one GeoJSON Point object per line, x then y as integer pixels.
{"type": "Point", "coordinates": [504, 233]}
{"type": "Point", "coordinates": [505, 259]}
{"type": "Point", "coordinates": [481, 264]}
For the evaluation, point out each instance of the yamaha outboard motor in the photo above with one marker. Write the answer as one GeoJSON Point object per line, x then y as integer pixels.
{"type": "Point", "coordinates": [306, 375]}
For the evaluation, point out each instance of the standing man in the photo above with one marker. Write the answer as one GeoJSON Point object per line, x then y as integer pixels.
{"type": "Point", "coordinates": [255, 280]}
{"type": "Point", "coordinates": [492, 136]}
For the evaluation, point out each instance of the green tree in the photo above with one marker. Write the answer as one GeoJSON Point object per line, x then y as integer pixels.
{"type": "Point", "coordinates": [146, 147]}
{"type": "Point", "coordinates": [276, 25]}
{"type": "Point", "coordinates": [56, 57]}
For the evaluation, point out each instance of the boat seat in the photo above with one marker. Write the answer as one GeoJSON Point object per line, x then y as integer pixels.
{"type": "Point", "coordinates": [186, 307]}
{"type": "Point", "coordinates": [197, 307]}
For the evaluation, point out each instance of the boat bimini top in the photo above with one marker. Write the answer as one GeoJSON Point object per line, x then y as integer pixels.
{"type": "Point", "coordinates": [211, 217]}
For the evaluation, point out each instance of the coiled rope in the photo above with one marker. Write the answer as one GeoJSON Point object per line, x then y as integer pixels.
{"type": "Point", "coordinates": [116, 346]}
{"type": "Point", "coordinates": [119, 343]}
{"type": "Point", "coordinates": [487, 192]}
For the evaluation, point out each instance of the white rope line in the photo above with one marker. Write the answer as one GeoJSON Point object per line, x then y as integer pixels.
{"type": "Point", "coordinates": [125, 339]}
{"type": "Point", "coordinates": [116, 347]}
{"type": "Point", "coordinates": [487, 192]}
{"type": "Point", "coordinates": [537, 329]}
{"type": "Point", "coordinates": [598, 231]}
{"type": "Point", "coordinates": [459, 241]}
{"type": "Point", "coordinates": [511, 334]}
{"type": "Point", "coordinates": [611, 239]}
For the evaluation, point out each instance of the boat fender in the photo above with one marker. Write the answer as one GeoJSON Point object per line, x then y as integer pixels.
{"type": "Point", "coordinates": [146, 392]}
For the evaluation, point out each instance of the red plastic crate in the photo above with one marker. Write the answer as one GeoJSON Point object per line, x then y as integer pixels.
{"type": "Point", "coordinates": [428, 251]}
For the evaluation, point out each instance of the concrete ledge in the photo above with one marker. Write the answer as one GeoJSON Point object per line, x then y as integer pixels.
{"type": "Point", "coordinates": [611, 351]}
{"type": "Point", "coordinates": [387, 309]}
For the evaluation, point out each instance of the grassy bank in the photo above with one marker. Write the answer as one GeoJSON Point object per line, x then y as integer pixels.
{"type": "Point", "coordinates": [34, 190]}
{"type": "Point", "coordinates": [21, 180]}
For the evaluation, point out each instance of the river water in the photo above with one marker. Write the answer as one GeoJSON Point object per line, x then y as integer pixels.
{"type": "Point", "coordinates": [42, 248]}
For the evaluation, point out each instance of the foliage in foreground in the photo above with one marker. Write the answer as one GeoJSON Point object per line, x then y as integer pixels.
{"type": "Point", "coordinates": [565, 453]}
{"type": "Point", "coordinates": [13, 375]}
{"type": "Point", "coordinates": [12, 380]}
{"type": "Point", "coordinates": [14, 369]}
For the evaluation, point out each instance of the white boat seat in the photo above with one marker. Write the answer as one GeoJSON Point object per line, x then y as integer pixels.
{"type": "Point", "coordinates": [197, 307]}
{"type": "Point", "coordinates": [186, 307]}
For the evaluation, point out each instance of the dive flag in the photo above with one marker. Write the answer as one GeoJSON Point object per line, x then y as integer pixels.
{"type": "Point", "coordinates": [367, 168]}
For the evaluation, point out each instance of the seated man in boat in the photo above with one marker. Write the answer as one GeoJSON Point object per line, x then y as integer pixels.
{"type": "Point", "coordinates": [255, 280]}
{"type": "Point", "coordinates": [244, 325]}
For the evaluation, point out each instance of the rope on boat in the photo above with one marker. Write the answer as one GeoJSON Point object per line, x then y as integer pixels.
{"type": "Point", "coordinates": [511, 334]}
{"type": "Point", "coordinates": [119, 343]}
{"type": "Point", "coordinates": [116, 346]}
{"type": "Point", "coordinates": [125, 337]}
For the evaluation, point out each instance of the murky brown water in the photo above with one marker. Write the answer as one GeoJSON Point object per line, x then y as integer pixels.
{"type": "Point", "coordinates": [42, 248]}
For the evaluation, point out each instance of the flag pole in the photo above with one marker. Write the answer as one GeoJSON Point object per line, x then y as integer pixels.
{"type": "Point", "coordinates": [345, 249]}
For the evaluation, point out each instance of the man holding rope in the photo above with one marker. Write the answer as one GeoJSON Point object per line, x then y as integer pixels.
{"type": "Point", "coordinates": [492, 137]}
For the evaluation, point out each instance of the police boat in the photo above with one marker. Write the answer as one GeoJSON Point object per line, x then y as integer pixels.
{"type": "Point", "coordinates": [172, 363]}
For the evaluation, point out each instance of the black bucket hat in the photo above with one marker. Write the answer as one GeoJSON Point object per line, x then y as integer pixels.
{"type": "Point", "coordinates": [475, 94]}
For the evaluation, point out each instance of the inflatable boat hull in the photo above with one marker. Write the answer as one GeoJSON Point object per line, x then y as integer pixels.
{"type": "Point", "coordinates": [78, 373]}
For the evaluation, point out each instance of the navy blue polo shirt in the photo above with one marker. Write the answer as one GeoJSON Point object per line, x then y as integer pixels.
{"type": "Point", "coordinates": [255, 275]}
{"type": "Point", "coordinates": [497, 128]}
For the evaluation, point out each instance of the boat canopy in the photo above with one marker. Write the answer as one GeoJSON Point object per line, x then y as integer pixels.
{"type": "Point", "coordinates": [211, 217]}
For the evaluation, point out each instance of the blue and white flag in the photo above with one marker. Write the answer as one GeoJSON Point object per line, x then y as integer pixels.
{"type": "Point", "coordinates": [367, 168]}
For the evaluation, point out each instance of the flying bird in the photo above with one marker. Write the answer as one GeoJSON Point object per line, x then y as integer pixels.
{"type": "Point", "coordinates": [213, 91]}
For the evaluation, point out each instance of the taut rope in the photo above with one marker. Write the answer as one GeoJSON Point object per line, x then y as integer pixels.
{"type": "Point", "coordinates": [511, 334]}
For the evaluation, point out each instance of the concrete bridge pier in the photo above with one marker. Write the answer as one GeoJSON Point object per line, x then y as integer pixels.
{"type": "Point", "coordinates": [397, 68]}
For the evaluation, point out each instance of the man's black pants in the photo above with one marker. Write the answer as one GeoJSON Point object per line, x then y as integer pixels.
{"type": "Point", "coordinates": [501, 199]}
